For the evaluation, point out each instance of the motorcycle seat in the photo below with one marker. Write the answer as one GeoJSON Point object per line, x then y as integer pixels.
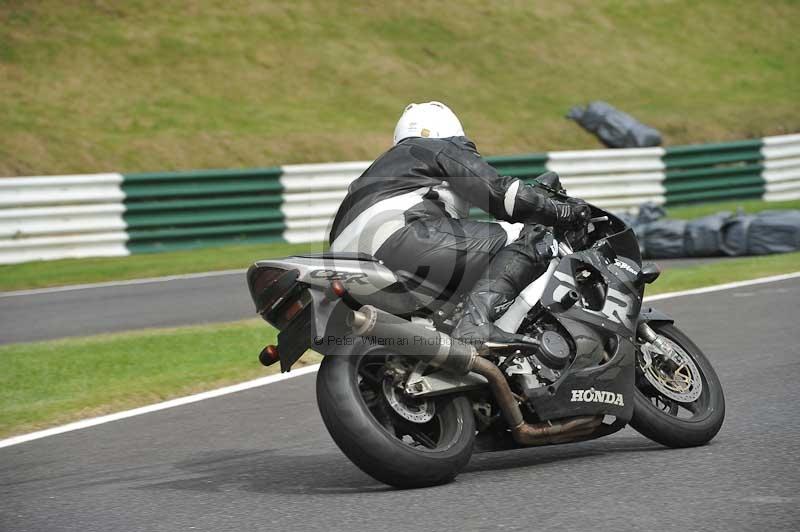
{"type": "Point", "coordinates": [423, 289]}
{"type": "Point", "coordinates": [339, 255]}
{"type": "Point", "coordinates": [410, 295]}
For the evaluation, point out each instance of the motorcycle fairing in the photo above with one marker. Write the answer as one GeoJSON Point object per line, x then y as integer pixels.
{"type": "Point", "coordinates": [614, 377]}
{"type": "Point", "coordinates": [611, 328]}
{"type": "Point", "coordinates": [622, 299]}
{"type": "Point", "coordinates": [650, 315]}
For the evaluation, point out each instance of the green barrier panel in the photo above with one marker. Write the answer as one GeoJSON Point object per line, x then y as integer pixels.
{"type": "Point", "coordinates": [715, 195]}
{"type": "Point", "coordinates": [273, 172]}
{"type": "Point", "coordinates": [722, 183]}
{"type": "Point", "coordinates": [177, 245]}
{"type": "Point", "coordinates": [712, 159]}
{"type": "Point", "coordinates": [710, 172]}
{"type": "Point", "coordinates": [712, 154]}
{"type": "Point", "coordinates": [171, 190]}
{"type": "Point", "coordinates": [189, 232]}
{"type": "Point", "coordinates": [522, 166]}
{"type": "Point", "coordinates": [136, 221]}
{"type": "Point", "coordinates": [274, 200]}
{"type": "Point", "coordinates": [142, 241]}
{"type": "Point", "coordinates": [702, 149]}
{"type": "Point", "coordinates": [181, 210]}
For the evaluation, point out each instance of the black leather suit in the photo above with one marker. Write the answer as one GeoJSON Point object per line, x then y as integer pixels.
{"type": "Point", "coordinates": [408, 210]}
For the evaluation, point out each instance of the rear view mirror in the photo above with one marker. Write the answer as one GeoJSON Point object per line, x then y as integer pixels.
{"type": "Point", "coordinates": [649, 273]}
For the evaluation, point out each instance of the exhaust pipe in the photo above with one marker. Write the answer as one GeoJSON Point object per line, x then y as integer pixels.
{"type": "Point", "coordinates": [440, 350]}
{"type": "Point", "coordinates": [531, 433]}
{"type": "Point", "coordinates": [414, 339]}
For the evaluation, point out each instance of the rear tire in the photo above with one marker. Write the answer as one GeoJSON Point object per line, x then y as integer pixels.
{"type": "Point", "coordinates": [668, 429]}
{"type": "Point", "coordinates": [374, 448]}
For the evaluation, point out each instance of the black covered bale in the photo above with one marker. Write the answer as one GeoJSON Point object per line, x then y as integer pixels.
{"type": "Point", "coordinates": [703, 237]}
{"type": "Point", "coordinates": [662, 239]}
{"type": "Point", "coordinates": [762, 234]}
{"type": "Point", "coordinates": [614, 128]}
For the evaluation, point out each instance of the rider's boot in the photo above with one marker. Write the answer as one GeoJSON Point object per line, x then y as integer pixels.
{"type": "Point", "coordinates": [509, 272]}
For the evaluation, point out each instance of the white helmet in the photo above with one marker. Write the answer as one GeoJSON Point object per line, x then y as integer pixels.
{"type": "Point", "coordinates": [431, 119]}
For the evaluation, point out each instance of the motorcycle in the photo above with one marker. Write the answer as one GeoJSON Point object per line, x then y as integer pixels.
{"type": "Point", "coordinates": [408, 404]}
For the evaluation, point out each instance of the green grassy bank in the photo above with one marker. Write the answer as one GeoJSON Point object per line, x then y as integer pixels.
{"type": "Point", "coordinates": [148, 85]}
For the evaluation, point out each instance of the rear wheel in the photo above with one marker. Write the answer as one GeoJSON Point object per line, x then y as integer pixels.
{"type": "Point", "coordinates": [395, 439]}
{"type": "Point", "coordinates": [678, 402]}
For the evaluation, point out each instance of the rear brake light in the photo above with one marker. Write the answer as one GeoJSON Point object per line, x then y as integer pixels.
{"type": "Point", "coordinates": [269, 286]}
{"type": "Point", "coordinates": [265, 278]}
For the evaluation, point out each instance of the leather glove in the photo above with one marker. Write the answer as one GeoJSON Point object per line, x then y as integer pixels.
{"type": "Point", "coordinates": [550, 183]}
{"type": "Point", "coordinates": [573, 213]}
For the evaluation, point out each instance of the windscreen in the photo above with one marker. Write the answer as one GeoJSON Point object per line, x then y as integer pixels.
{"type": "Point", "coordinates": [618, 235]}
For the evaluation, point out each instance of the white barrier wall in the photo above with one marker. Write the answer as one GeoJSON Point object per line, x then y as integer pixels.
{"type": "Point", "coordinates": [312, 194]}
{"type": "Point", "coordinates": [53, 217]}
{"type": "Point", "coordinates": [612, 179]}
{"type": "Point", "coordinates": [781, 167]}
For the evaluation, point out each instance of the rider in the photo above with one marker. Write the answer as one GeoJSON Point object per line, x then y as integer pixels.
{"type": "Point", "coordinates": [409, 209]}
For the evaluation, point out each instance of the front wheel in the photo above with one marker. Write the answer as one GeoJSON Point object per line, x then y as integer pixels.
{"type": "Point", "coordinates": [397, 440]}
{"type": "Point", "coordinates": [677, 402]}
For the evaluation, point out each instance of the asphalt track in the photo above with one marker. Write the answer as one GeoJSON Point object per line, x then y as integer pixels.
{"type": "Point", "coordinates": [261, 459]}
{"type": "Point", "coordinates": [166, 302]}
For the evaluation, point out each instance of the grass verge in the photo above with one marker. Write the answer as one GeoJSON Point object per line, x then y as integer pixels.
{"type": "Point", "coordinates": [724, 271]}
{"type": "Point", "coordinates": [688, 212]}
{"type": "Point", "coordinates": [48, 383]}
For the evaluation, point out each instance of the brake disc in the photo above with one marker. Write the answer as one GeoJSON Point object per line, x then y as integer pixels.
{"type": "Point", "coordinates": [414, 410]}
{"type": "Point", "coordinates": [681, 382]}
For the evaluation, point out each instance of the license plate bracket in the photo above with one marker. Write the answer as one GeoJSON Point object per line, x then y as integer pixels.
{"type": "Point", "coordinates": [296, 338]}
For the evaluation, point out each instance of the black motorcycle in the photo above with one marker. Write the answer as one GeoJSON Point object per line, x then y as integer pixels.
{"type": "Point", "coordinates": [408, 404]}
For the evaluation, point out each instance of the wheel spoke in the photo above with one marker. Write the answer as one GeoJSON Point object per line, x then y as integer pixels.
{"type": "Point", "coordinates": [421, 437]}
{"type": "Point", "coordinates": [374, 377]}
{"type": "Point", "coordinates": [673, 408]}
{"type": "Point", "coordinates": [373, 390]}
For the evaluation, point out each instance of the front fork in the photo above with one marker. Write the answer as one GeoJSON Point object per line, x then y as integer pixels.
{"type": "Point", "coordinates": [648, 335]}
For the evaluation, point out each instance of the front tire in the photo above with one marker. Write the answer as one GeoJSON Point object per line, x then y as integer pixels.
{"type": "Point", "coordinates": [371, 435]}
{"type": "Point", "coordinates": [658, 416]}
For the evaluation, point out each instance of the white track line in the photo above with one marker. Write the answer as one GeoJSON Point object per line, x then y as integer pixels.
{"type": "Point", "coordinates": [180, 401]}
{"type": "Point", "coordinates": [148, 280]}
{"type": "Point", "coordinates": [726, 286]}
{"type": "Point", "coordinates": [311, 369]}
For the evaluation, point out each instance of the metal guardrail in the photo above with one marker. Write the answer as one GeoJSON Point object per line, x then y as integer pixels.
{"type": "Point", "coordinates": [714, 172]}
{"type": "Point", "coordinates": [43, 218]}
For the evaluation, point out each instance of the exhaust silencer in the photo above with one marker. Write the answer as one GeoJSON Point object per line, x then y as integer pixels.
{"type": "Point", "coordinates": [414, 339]}
{"type": "Point", "coordinates": [440, 350]}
